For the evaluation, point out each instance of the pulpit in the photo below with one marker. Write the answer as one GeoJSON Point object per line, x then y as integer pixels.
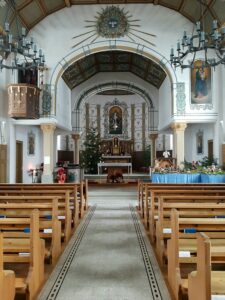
{"type": "Point", "coordinates": [23, 101]}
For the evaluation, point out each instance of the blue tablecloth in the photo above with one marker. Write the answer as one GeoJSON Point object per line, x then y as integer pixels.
{"type": "Point", "coordinates": [187, 178]}
{"type": "Point", "coordinates": [211, 178]}
{"type": "Point", "coordinates": [176, 178]}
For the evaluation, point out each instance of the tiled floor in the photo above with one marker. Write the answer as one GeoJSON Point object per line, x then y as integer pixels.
{"type": "Point", "coordinates": [109, 258]}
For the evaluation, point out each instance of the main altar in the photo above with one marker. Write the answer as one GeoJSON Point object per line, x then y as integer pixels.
{"type": "Point", "coordinates": [117, 155]}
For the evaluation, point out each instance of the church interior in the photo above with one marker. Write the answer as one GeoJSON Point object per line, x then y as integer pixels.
{"type": "Point", "coordinates": [112, 149]}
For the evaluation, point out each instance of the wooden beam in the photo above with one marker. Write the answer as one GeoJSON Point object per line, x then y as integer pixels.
{"type": "Point", "coordinates": [67, 2]}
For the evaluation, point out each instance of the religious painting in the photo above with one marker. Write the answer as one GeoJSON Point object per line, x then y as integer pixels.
{"type": "Point", "coordinates": [199, 142]}
{"type": "Point", "coordinates": [115, 120]}
{"type": "Point", "coordinates": [200, 84]}
{"type": "Point", "coordinates": [31, 143]}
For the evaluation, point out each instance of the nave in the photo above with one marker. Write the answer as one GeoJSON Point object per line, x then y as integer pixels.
{"type": "Point", "coordinates": [109, 257]}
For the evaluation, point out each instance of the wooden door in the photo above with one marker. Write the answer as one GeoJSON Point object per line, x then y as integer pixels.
{"type": "Point", "coordinates": [210, 149]}
{"type": "Point", "coordinates": [3, 163]}
{"type": "Point", "coordinates": [19, 162]}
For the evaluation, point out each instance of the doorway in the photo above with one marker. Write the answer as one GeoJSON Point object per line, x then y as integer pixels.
{"type": "Point", "coordinates": [19, 162]}
{"type": "Point", "coordinates": [210, 149]}
{"type": "Point", "coordinates": [3, 163]}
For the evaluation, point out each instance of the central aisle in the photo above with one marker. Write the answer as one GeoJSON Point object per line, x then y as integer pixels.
{"type": "Point", "coordinates": [109, 258]}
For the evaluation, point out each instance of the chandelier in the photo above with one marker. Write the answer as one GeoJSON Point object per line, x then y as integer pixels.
{"type": "Point", "coordinates": [24, 52]}
{"type": "Point", "coordinates": [200, 44]}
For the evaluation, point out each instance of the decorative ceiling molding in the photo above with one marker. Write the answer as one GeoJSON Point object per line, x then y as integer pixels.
{"type": "Point", "coordinates": [114, 61]}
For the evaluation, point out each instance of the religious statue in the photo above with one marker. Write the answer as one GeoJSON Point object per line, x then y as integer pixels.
{"type": "Point", "coordinates": [166, 154]}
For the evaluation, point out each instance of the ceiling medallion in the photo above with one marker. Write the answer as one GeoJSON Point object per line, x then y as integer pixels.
{"type": "Point", "coordinates": [111, 23]}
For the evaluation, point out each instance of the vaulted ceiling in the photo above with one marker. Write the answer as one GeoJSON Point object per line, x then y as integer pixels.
{"type": "Point", "coordinates": [31, 12]}
{"type": "Point", "coordinates": [114, 61]}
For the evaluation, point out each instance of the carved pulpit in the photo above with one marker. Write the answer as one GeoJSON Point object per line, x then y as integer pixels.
{"type": "Point", "coordinates": [23, 101]}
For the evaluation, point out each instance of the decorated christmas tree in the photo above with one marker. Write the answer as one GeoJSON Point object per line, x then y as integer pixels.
{"type": "Point", "coordinates": [91, 156]}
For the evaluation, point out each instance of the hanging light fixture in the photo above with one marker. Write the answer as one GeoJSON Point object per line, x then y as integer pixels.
{"type": "Point", "coordinates": [201, 42]}
{"type": "Point", "coordinates": [25, 54]}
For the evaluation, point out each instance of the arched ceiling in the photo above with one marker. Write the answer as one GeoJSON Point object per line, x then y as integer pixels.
{"type": "Point", "coordinates": [30, 12]}
{"type": "Point", "coordinates": [114, 61]}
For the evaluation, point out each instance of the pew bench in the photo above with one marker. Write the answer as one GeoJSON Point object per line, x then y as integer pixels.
{"type": "Point", "coordinates": [7, 277]}
{"type": "Point", "coordinates": [49, 225]}
{"type": "Point", "coordinates": [25, 249]}
{"type": "Point", "coordinates": [180, 262]}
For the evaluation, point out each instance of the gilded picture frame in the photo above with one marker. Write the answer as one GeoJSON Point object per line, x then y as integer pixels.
{"type": "Point", "coordinates": [201, 82]}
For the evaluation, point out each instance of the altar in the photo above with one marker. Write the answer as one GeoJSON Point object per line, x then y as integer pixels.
{"type": "Point", "coordinates": [121, 165]}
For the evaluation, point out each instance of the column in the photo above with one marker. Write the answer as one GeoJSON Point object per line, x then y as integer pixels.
{"type": "Point", "coordinates": [178, 142]}
{"type": "Point", "coordinates": [48, 143]}
{"type": "Point", "coordinates": [76, 139]}
{"type": "Point", "coordinates": [153, 137]}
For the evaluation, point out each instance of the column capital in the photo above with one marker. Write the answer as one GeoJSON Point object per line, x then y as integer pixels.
{"type": "Point", "coordinates": [75, 136]}
{"type": "Point", "coordinates": [178, 126]}
{"type": "Point", "coordinates": [48, 127]}
{"type": "Point", "coordinates": [153, 136]}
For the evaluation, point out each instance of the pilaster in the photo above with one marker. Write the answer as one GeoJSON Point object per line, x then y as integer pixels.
{"type": "Point", "coordinates": [48, 148]}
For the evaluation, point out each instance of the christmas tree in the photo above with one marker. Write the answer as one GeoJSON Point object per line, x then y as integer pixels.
{"type": "Point", "coordinates": [91, 156]}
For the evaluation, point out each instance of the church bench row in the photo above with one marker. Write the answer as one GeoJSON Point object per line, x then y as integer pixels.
{"type": "Point", "coordinates": [49, 225]}
{"type": "Point", "coordinates": [145, 191]}
{"type": "Point", "coordinates": [78, 190]}
{"type": "Point", "coordinates": [26, 250]}
{"type": "Point", "coordinates": [204, 283]}
{"type": "Point", "coordinates": [182, 248]}
{"type": "Point", "coordinates": [188, 207]}
{"type": "Point", "coordinates": [151, 201]}
{"type": "Point", "coordinates": [145, 187]}
{"type": "Point", "coordinates": [63, 205]}
{"type": "Point", "coordinates": [78, 194]}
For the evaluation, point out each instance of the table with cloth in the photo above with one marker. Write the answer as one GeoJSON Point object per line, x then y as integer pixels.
{"type": "Point", "coordinates": [187, 178]}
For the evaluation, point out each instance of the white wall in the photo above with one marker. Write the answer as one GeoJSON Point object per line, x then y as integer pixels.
{"type": "Point", "coordinates": [30, 161]}
{"type": "Point", "coordinates": [190, 146]}
{"type": "Point", "coordinates": [63, 105]}
{"type": "Point", "coordinates": [165, 104]}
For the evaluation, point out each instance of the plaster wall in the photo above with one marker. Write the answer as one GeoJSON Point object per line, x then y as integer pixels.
{"type": "Point", "coordinates": [63, 105]}
{"type": "Point", "coordinates": [165, 104]}
{"type": "Point", "coordinates": [190, 146]}
{"type": "Point", "coordinates": [30, 161]}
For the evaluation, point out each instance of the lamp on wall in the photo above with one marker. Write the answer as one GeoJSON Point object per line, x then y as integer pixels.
{"type": "Point", "coordinates": [25, 54]}
{"type": "Point", "coordinates": [201, 42]}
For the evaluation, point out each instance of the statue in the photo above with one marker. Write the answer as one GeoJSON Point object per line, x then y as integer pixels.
{"type": "Point", "coordinates": [166, 154]}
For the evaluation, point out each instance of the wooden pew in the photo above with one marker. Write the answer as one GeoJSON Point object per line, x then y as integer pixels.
{"type": "Point", "coordinates": [155, 194]}
{"type": "Point", "coordinates": [64, 209]}
{"type": "Point", "coordinates": [26, 249]}
{"type": "Point", "coordinates": [213, 227]}
{"type": "Point", "coordinates": [204, 282]}
{"type": "Point", "coordinates": [7, 278]}
{"type": "Point", "coordinates": [144, 189]}
{"type": "Point", "coordinates": [187, 207]}
{"type": "Point", "coordinates": [78, 194]}
{"type": "Point", "coordinates": [49, 225]}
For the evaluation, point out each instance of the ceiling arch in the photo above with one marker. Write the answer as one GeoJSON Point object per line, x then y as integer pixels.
{"type": "Point", "coordinates": [31, 12]}
{"type": "Point", "coordinates": [114, 61]}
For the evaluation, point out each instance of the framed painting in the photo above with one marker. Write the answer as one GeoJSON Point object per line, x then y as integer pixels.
{"type": "Point", "coordinates": [200, 84]}
{"type": "Point", "coordinates": [115, 120]}
{"type": "Point", "coordinates": [31, 143]}
{"type": "Point", "coordinates": [199, 142]}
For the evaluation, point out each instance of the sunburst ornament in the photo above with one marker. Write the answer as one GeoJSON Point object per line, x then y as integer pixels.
{"type": "Point", "coordinates": [113, 23]}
